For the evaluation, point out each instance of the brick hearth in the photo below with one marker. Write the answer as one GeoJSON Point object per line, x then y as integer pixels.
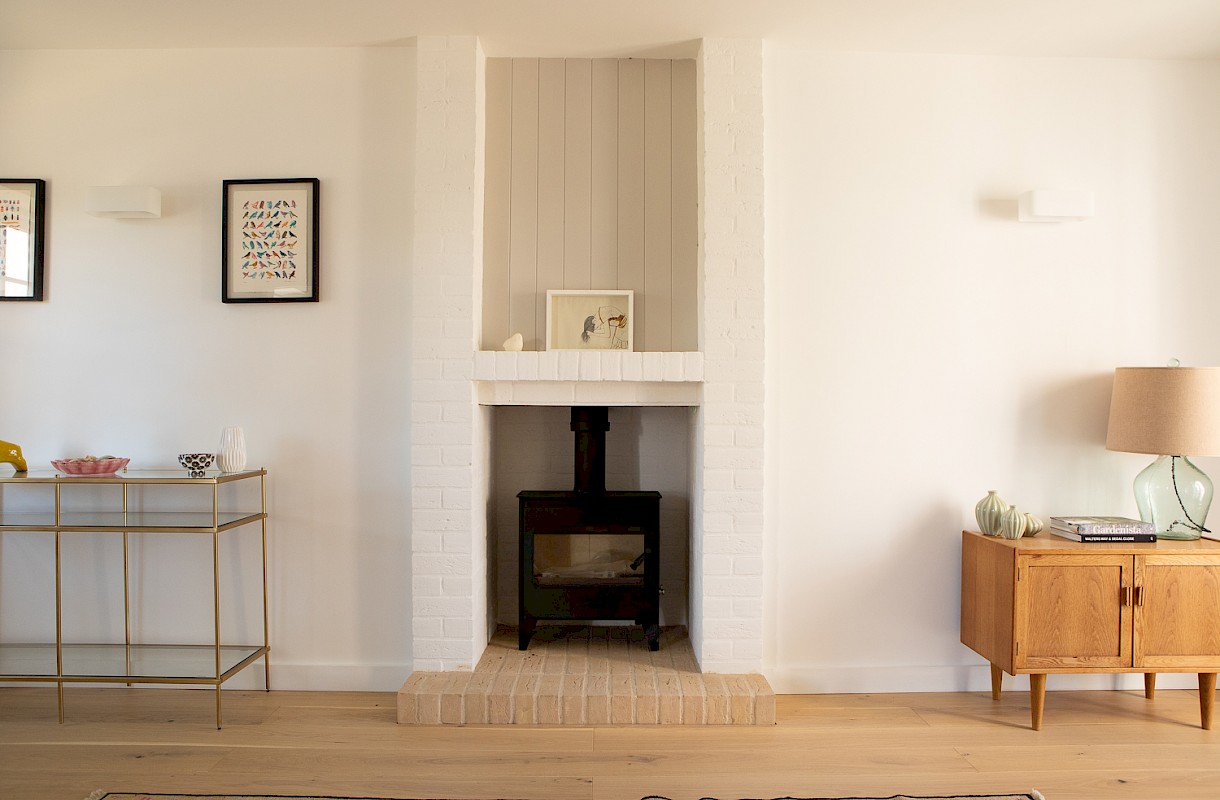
{"type": "Point", "coordinates": [582, 675]}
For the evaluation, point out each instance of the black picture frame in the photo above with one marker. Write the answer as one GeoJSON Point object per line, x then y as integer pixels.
{"type": "Point", "coordinates": [23, 207]}
{"type": "Point", "coordinates": [269, 240]}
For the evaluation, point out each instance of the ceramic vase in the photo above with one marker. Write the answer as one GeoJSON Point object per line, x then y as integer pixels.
{"type": "Point", "coordinates": [231, 453]}
{"type": "Point", "coordinates": [987, 513]}
{"type": "Point", "coordinates": [1033, 525]}
{"type": "Point", "coordinates": [1012, 523]}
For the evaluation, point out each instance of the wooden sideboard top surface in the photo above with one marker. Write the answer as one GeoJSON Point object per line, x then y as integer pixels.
{"type": "Point", "coordinates": [1045, 542]}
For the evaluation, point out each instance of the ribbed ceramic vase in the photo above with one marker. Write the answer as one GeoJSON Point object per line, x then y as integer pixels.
{"type": "Point", "coordinates": [1033, 525]}
{"type": "Point", "coordinates": [987, 513]}
{"type": "Point", "coordinates": [231, 453]}
{"type": "Point", "coordinates": [1012, 523]}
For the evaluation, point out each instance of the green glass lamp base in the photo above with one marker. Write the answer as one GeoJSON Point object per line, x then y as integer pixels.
{"type": "Point", "coordinates": [1174, 495]}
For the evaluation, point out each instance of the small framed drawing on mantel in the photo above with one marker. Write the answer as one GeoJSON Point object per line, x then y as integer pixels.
{"type": "Point", "coordinates": [590, 319]}
{"type": "Point", "coordinates": [23, 206]}
{"type": "Point", "coordinates": [269, 241]}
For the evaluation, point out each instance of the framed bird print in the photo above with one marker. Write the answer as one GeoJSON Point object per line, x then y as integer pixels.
{"type": "Point", "coordinates": [590, 319]}
{"type": "Point", "coordinates": [269, 242]}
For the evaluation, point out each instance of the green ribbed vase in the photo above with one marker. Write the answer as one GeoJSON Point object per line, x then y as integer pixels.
{"type": "Point", "coordinates": [987, 513]}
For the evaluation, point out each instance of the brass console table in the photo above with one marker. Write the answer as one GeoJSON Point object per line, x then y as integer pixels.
{"type": "Point", "coordinates": [130, 662]}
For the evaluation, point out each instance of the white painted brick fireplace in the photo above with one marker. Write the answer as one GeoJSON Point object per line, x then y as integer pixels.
{"type": "Point", "coordinates": [455, 386]}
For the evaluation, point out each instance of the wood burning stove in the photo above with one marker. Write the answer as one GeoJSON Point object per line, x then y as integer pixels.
{"type": "Point", "coordinates": [589, 554]}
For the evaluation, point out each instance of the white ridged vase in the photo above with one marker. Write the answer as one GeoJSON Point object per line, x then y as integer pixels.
{"type": "Point", "coordinates": [231, 452]}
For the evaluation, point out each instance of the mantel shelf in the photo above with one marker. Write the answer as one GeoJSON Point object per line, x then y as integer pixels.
{"type": "Point", "coordinates": [589, 365]}
{"type": "Point", "coordinates": [588, 377]}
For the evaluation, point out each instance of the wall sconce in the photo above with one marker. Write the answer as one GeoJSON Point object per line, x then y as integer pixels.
{"type": "Point", "coordinates": [1054, 205]}
{"type": "Point", "coordinates": [123, 202]}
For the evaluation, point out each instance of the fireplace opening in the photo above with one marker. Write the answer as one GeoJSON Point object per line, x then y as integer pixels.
{"type": "Point", "coordinates": [531, 448]}
{"type": "Point", "coordinates": [589, 553]}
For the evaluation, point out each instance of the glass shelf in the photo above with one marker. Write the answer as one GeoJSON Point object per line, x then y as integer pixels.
{"type": "Point", "coordinates": [162, 521]}
{"type": "Point", "coordinates": [129, 476]}
{"type": "Point", "coordinates": [156, 663]}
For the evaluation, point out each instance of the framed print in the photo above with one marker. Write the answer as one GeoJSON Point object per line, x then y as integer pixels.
{"type": "Point", "coordinates": [23, 203]}
{"type": "Point", "coordinates": [589, 319]}
{"type": "Point", "coordinates": [269, 241]}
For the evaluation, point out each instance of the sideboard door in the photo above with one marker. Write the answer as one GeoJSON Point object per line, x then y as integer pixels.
{"type": "Point", "coordinates": [1177, 611]}
{"type": "Point", "coordinates": [1072, 611]}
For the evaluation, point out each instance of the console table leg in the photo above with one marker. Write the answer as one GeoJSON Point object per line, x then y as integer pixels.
{"type": "Point", "coordinates": [1037, 699]}
{"type": "Point", "coordinates": [997, 679]}
{"type": "Point", "coordinates": [1149, 685]}
{"type": "Point", "coordinates": [1207, 698]}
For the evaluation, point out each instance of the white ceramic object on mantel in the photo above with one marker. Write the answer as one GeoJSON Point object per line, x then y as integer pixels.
{"type": "Point", "coordinates": [514, 343]}
{"type": "Point", "coordinates": [231, 452]}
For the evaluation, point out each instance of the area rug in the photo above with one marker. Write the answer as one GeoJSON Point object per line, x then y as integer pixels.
{"type": "Point", "coordinates": [101, 795]}
{"type": "Point", "coordinates": [1034, 795]}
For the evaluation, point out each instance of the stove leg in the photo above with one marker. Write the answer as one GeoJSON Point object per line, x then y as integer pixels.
{"type": "Point", "coordinates": [525, 632]}
{"type": "Point", "coordinates": [652, 632]}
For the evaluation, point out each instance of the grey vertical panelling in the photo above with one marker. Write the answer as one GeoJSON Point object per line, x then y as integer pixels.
{"type": "Point", "coordinates": [603, 200]}
{"type": "Point", "coordinates": [577, 175]}
{"type": "Point", "coordinates": [631, 190]}
{"type": "Point", "coordinates": [657, 194]}
{"type": "Point", "coordinates": [685, 210]}
{"type": "Point", "coordinates": [550, 186]}
{"type": "Point", "coordinates": [523, 205]}
{"type": "Point", "coordinates": [496, 205]}
{"type": "Point", "coordinates": [599, 191]}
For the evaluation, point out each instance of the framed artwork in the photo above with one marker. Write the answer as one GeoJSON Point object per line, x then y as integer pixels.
{"type": "Point", "coordinates": [269, 241]}
{"type": "Point", "coordinates": [23, 203]}
{"type": "Point", "coordinates": [590, 319]}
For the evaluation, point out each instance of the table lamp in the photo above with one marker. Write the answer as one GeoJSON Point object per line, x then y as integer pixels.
{"type": "Point", "coordinates": [1171, 412]}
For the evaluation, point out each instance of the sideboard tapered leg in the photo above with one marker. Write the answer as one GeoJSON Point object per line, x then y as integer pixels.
{"type": "Point", "coordinates": [1037, 699]}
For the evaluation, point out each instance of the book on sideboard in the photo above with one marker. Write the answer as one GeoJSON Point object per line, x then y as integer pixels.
{"type": "Point", "coordinates": [1103, 537]}
{"type": "Point", "coordinates": [1084, 524]}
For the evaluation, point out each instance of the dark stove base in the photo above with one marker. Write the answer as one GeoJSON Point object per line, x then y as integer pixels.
{"type": "Point", "coordinates": [652, 632]}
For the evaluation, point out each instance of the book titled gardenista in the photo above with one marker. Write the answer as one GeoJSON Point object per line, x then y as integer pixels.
{"type": "Point", "coordinates": [1101, 525]}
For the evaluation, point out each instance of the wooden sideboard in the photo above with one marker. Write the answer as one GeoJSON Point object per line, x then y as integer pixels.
{"type": "Point", "coordinates": [1043, 604]}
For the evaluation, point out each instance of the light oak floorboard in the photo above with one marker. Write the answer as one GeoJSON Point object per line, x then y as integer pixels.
{"type": "Point", "coordinates": [1093, 746]}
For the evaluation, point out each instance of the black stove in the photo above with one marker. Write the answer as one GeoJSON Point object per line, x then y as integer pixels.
{"type": "Point", "coordinates": [589, 554]}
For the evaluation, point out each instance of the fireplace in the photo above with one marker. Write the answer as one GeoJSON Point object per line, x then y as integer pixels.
{"type": "Point", "coordinates": [458, 561]}
{"type": "Point", "coordinates": [589, 554]}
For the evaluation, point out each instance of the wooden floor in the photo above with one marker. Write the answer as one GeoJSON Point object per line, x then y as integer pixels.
{"type": "Point", "coordinates": [1093, 746]}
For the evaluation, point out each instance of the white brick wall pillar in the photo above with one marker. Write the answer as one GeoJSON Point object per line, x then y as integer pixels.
{"type": "Point", "coordinates": [727, 494]}
{"type": "Point", "coordinates": [449, 437]}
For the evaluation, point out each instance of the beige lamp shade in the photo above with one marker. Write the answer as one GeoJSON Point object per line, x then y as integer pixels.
{"type": "Point", "coordinates": [1167, 411]}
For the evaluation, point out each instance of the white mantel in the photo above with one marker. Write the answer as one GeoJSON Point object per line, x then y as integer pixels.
{"type": "Point", "coordinates": [586, 378]}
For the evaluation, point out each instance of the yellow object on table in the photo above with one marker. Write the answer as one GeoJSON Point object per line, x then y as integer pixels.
{"type": "Point", "coordinates": [11, 454]}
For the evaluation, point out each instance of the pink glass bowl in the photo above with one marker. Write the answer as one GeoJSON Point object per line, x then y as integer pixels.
{"type": "Point", "coordinates": [103, 466]}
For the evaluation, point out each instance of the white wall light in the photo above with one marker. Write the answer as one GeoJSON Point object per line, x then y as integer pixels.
{"type": "Point", "coordinates": [1055, 205]}
{"type": "Point", "coordinates": [123, 202]}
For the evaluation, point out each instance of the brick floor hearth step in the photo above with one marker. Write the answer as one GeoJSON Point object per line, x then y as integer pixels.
{"type": "Point", "coordinates": [586, 675]}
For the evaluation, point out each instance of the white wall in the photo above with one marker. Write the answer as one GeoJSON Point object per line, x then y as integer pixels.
{"type": "Point", "coordinates": [134, 354]}
{"type": "Point", "coordinates": [923, 347]}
